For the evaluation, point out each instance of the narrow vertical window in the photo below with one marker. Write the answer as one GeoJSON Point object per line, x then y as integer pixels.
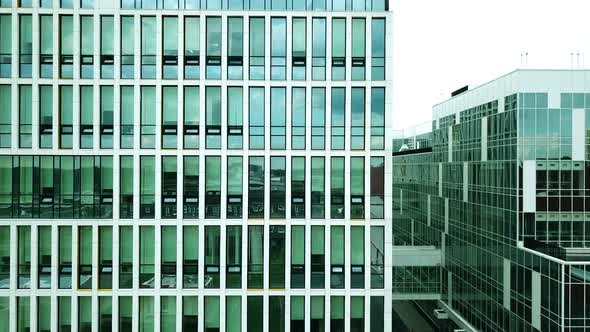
{"type": "Point", "coordinates": [192, 27]}
{"type": "Point", "coordinates": [146, 256]}
{"type": "Point", "coordinates": [337, 187]}
{"type": "Point", "coordinates": [148, 117]}
{"type": "Point", "coordinates": [191, 117]}
{"type": "Point", "coordinates": [66, 114]}
{"type": "Point", "coordinates": [127, 114]}
{"type": "Point", "coordinates": [106, 117]}
{"type": "Point", "coordinates": [213, 51]}
{"type": "Point", "coordinates": [377, 118]}
{"type": "Point", "coordinates": [317, 313]}
{"type": "Point", "coordinates": [276, 253]}
{"type": "Point", "coordinates": [298, 118]}
{"type": "Point", "coordinates": [105, 257]}
{"type": "Point", "coordinates": [211, 313]}
{"type": "Point", "coordinates": [276, 315]}
{"type": "Point", "coordinates": [148, 47]}
{"type": "Point", "coordinates": [337, 257]}
{"type": "Point", "coordinates": [318, 118]}
{"type": "Point", "coordinates": [85, 257]}
{"type": "Point", "coordinates": [256, 187]}
{"type": "Point", "coordinates": [5, 113]}
{"type": "Point", "coordinates": [126, 188]}
{"type": "Point", "coordinates": [299, 47]}
{"type": "Point", "coordinates": [255, 313]}
{"type": "Point", "coordinates": [234, 257]}
{"type": "Point", "coordinates": [318, 194]}
{"type": "Point", "coordinates": [65, 257]}
{"type": "Point", "coordinates": [297, 257]}
{"type": "Point", "coordinates": [147, 190]}
{"type": "Point", "coordinates": [235, 48]}
{"type": "Point", "coordinates": [86, 116]}
{"type": "Point", "coordinates": [212, 187]}
{"type": "Point", "coordinates": [146, 314]}
{"type": "Point", "coordinates": [190, 313]}
{"type": "Point", "coordinates": [278, 120]}
{"type": "Point", "coordinates": [46, 45]}
{"type": "Point", "coordinates": [44, 313]}
{"type": "Point", "coordinates": [4, 257]}
{"type": "Point", "coordinates": [357, 311]}
{"type": "Point", "coordinates": [357, 119]}
{"type": "Point", "coordinates": [66, 46]}
{"type": "Point", "coordinates": [64, 313]}
{"type": "Point", "coordinates": [169, 117]}
{"type": "Point", "coordinates": [191, 187]}
{"type": "Point", "coordinates": [126, 243]}
{"type": "Point", "coordinates": [377, 257]}
{"type": "Point", "coordinates": [170, 47]}
{"type": "Point", "coordinates": [213, 117]}
{"type": "Point", "coordinates": [337, 313]}
{"type": "Point", "coordinates": [25, 117]}
{"type": "Point", "coordinates": [357, 257]}
{"type": "Point", "coordinates": [23, 313]}
{"type": "Point", "coordinates": [86, 46]}
{"type": "Point", "coordinates": [234, 186]}
{"type": "Point", "coordinates": [317, 257]}
{"type": "Point", "coordinates": [357, 187]}
{"type": "Point", "coordinates": [338, 49]}
{"type": "Point", "coordinates": [66, 185]}
{"type": "Point", "coordinates": [107, 60]}
{"type": "Point", "coordinates": [47, 187]}
{"type": "Point", "coordinates": [168, 257]}
{"type": "Point", "coordinates": [45, 116]}
{"type": "Point", "coordinates": [298, 187]}
{"type": "Point", "coordinates": [169, 190]}
{"type": "Point", "coordinates": [212, 256]}
{"type": "Point", "coordinates": [256, 118]}
{"type": "Point", "coordinates": [25, 46]}
{"type": "Point", "coordinates": [338, 118]}
{"type": "Point", "coordinates": [377, 312]}
{"type": "Point", "coordinates": [377, 187]}
{"type": "Point", "coordinates": [318, 50]}
{"type": "Point", "coordinates": [235, 104]}
{"type": "Point", "coordinates": [378, 48]}
{"type": "Point", "coordinates": [278, 179]}
{"type": "Point", "coordinates": [168, 313]}
{"type": "Point", "coordinates": [278, 53]}
{"type": "Point", "coordinates": [127, 47]}
{"type": "Point", "coordinates": [255, 257]}
{"type": "Point", "coordinates": [105, 312]}
{"type": "Point", "coordinates": [257, 48]}
{"type": "Point", "coordinates": [125, 313]}
{"type": "Point", "coordinates": [358, 48]}
{"type": "Point", "coordinates": [44, 260]}
{"type": "Point", "coordinates": [190, 257]}
{"type": "Point", "coordinates": [298, 314]}
{"type": "Point", "coordinates": [233, 313]}
{"type": "Point", "coordinates": [5, 45]}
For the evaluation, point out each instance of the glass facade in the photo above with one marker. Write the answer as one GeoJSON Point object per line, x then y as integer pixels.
{"type": "Point", "coordinates": [191, 164]}
{"type": "Point", "coordinates": [500, 188]}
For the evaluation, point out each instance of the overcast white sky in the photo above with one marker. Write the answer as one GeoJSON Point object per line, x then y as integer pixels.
{"type": "Point", "coordinates": [442, 45]}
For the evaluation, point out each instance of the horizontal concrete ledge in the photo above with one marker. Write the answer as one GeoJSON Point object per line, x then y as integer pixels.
{"type": "Point", "coordinates": [416, 256]}
{"type": "Point", "coordinates": [415, 296]}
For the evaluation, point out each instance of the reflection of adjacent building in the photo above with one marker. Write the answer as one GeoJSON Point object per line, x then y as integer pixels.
{"type": "Point", "coordinates": [500, 194]}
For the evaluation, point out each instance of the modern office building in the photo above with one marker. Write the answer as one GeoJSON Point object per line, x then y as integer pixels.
{"type": "Point", "coordinates": [195, 165]}
{"type": "Point", "coordinates": [502, 193]}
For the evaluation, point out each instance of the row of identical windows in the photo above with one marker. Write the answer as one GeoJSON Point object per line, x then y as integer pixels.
{"type": "Point", "coordinates": [81, 187]}
{"type": "Point", "coordinates": [317, 5]}
{"type": "Point", "coordinates": [180, 245]}
{"type": "Point", "coordinates": [233, 66]}
{"type": "Point", "coordinates": [170, 111]}
{"type": "Point", "coordinates": [145, 308]}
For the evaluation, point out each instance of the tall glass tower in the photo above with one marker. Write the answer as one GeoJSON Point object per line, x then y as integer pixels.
{"type": "Point", "coordinates": [195, 165]}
